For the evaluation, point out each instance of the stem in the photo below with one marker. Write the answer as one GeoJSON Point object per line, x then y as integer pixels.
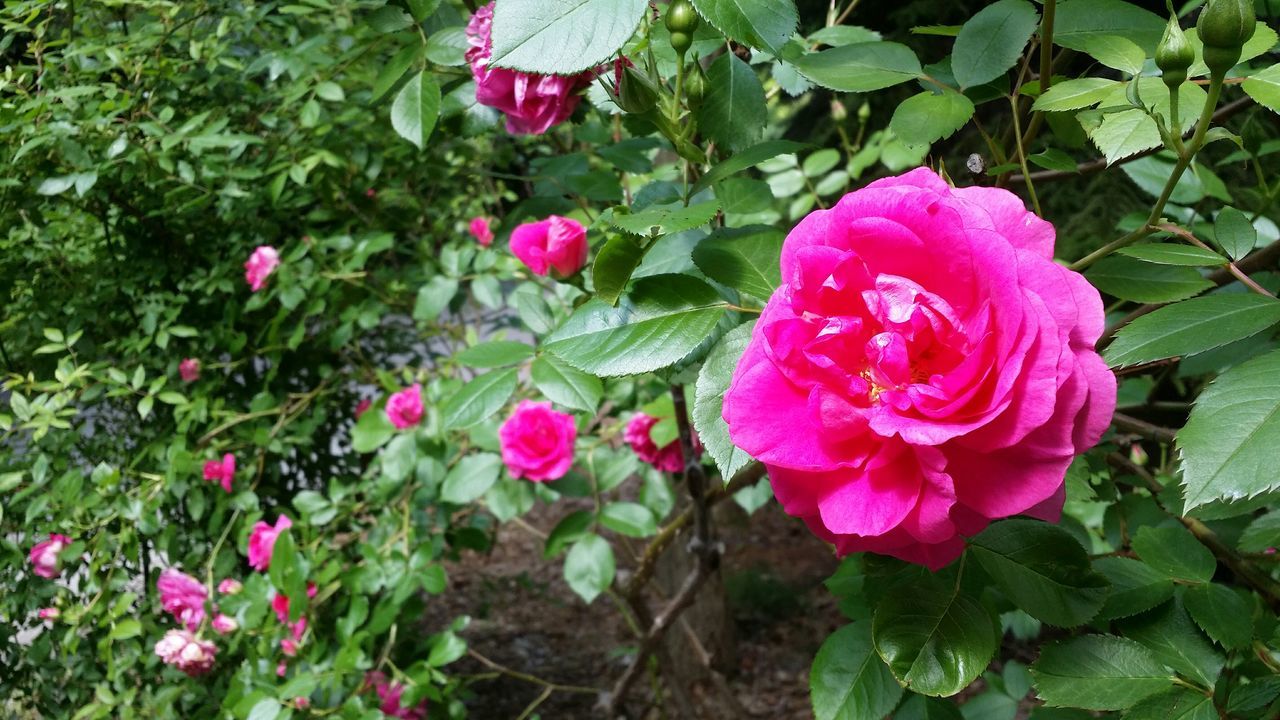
{"type": "Point", "coordinates": [1022, 156]}
{"type": "Point", "coordinates": [1046, 44]}
{"type": "Point", "coordinates": [1231, 267]}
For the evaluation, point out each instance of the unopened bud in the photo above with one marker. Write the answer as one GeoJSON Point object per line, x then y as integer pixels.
{"type": "Point", "coordinates": [1224, 27]}
{"type": "Point", "coordinates": [839, 112]}
{"type": "Point", "coordinates": [1174, 54]}
{"type": "Point", "coordinates": [864, 112]}
{"type": "Point", "coordinates": [637, 93]}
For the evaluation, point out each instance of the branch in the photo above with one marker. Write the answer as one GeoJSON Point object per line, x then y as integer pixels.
{"type": "Point", "coordinates": [1143, 428]}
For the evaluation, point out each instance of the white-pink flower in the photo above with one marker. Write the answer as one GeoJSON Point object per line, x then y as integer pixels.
{"type": "Point", "coordinates": [230, 586]}
{"type": "Point", "coordinates": [185, 651]}
{"type": "Point", "coordinates": [224, 624]}
{"type": "Point", "coordinates": [44, 555]}
{"type": "Point", "coordinates": [182, 596]}
{"type": "Point", "coordinates": [260, 265]}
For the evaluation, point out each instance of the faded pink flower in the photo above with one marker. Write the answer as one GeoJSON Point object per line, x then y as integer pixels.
{"type": "Point", "coordinates": [49, 613]}
{"type": "Point", "coordinates": [667, 458]}
{"type": "Point", "coordinates": [557, 243]}
{"type": "Point", "coordinates": [362, 407]}
{"type": "Point", "coordinates": [182, 596]}
{"type": "Point", "coordinates": [262, 541]}
{"type": "Point", "coordinates": [537, 442]}
{"type": "Point", "coordinates": [224, 624]}
{"type": "Point", "coordinates": [186, 652]}
{"type": "Point", "coordinates": [221, 471]}
{"type": "Point", "coordinates": [924, 368]}
{"type": "Point", "coordinates": [301, 703]}
{"type": "Point", "coordinates": [532, 103]}
{"type": "Point", "coordinates": [260, 265]}
{"type": "Point", "coordinates": [389, 698]}
{"type": "Point", "coordinates": [481, 232]}
{"type": "Point", "coordinates": [44, 555]}
{"type": "Point", "coordinates": [189, 369]}
{"type": "Point", "coordinates": [230, 586]}
{"type": "Point", "coordinates": [404, 409]}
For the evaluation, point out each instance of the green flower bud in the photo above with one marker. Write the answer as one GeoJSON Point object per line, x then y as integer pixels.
{"type": "Point", "coordinates": [839, 112]}
{"type": "Point", "coordinates": [681, 18]}
{"type": "Point", "coordinates": [864, 112]}
{"type": "Point", "coordinates": [1174, 54]}
{"type": "Point", "coordinates": [1224, 27]}
{"type": "Point", "coordinates": [637, 93]}
{"type": "Point", "coordinates": [695, 85]}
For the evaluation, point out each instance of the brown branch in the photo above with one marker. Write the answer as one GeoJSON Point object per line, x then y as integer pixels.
{"type": "Point", "coordinates": [1250, 573]}
{"type": "Point", "coordinates": [1143, 428]}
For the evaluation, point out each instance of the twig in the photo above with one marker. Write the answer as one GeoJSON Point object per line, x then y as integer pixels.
{"type": "Point", "coordinates": [550, 686]}
{"type": "Point", "coordinates": [1230, 267]}
{"type": "Point", "coordinates": [1259, 579]}
{"type": "Point", "coordinates": [1143, 428]}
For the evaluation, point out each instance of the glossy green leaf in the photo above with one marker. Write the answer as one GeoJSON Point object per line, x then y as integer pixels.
{"type": "Point", "coordinates": [733, 112]}
{"type": "Point", "coordinates": [1135, 587]}
{"type": "Point", "coordinates": [1234, 233]}
{"type": "Point", "coordinates": [416, 108]}
{"type": "Point", "coordinates": [1075, 94]}
{"type": "Point", "coordinates": [713, 381]}
{"type": "Point", "coordinates": [1173, 254]}
{"type": "Point", "coordinates": [1176, 704]}
{"type": "Point", "coordinates": [1175, 552]}
{"type": "Point", "coordinates": [509, 498]}
{"type": "Point", "coordinates": [433, 297]}
{"type": "Point", "coordinates": [1221, 613]}
{"type": "Point", "coordinates": [666, 219]}
{"type": "Point", "coordinates": [628, 518]}
{"type": "Point", "coordinates": [1130, 279]}
{"type": "Point", "coordinates": [589, 566]}
{"type": "Point", "coordinates": [1098, 672]}
{"type": "Point", "coordinates": [478, 399]}
{"type": "Point", "coordinates": [1124, 133]}
{"type": "Point", "coordinates": [848, 681]}
{"type": "Point", "coordinates": [613, 266]}
{"type": "Point", "coordinates": [470, 478]}
{"type": "Point", "coordinates": [925, 118]}
{"type": "Point", "coordinates": [1262, 534]}
{"type": "Point", "coordinates": [745, 259]}
{"type": "Point", "coordinates": [861, 68]}
{"type": "Point", "coordinates": [1168, 633]}
{"type": "Point", "coordinates": [762, 25]}
{"type": "Point", "coordinates": [744, 159]}
{"type": "Point", "coordinates": [991, 41]}
{"type": "Point", "coordinates": [1115, 52]}
{"type": "Point", "coordinates": [561, 37]}
{"type": "Point", "coordinates": [371, 431]}
{"type": "Point", "coordinates": [495, 353]}
{"type": "Point", "coordinates": [565, 385]}
{"type": "Point", "coordinates": [1192, 326]}
{"type": "Point", "coordinates": [1264, 87]}
{"type": "Point", "coordinates": [1079, 20]}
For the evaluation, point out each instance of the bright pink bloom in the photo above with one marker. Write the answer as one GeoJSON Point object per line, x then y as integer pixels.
{"type": "Point", "coordinates": [262, 541]}
{"type": "Point", "coordinates": [557, 243]}
{"type": "Point", "coordinates": [230, 586]}
{"type": "Point", "coordinates": [44, 555]}
{"type": "Point", "coordinates": [280, 603]}
{"type": "Point", "coordinates": [362, 407]}
{"type": "Point", "coordinates": [404, 409]}
{"type": "Point", "coordinates": [389, 698]}
{"type": "Point", "coordinates": [481, 232]}
{"type": "Point", "coordinates": [537, 442]}
{"type": "Point", "coordinates": [186, 652]}
{"type": "Point", "coordinates": [223, 471]}
{"type": "Point", "coordinates": [281, 668]}
{"type": "Point", "coordinates": [924, 368]}
{"type": "Point", "coordinates": [260, 265]}
{"type": "Point", "coordinates": [532, 103]}
{"type": "Point", "coordinates": [224, 624]}
{"type": "Point", "coordinates": [189, 369]}
{"type": "Point", "coordinates": [182, 596]}
{"type": "Point", "coordinates": [667, 458]}
{"type": "Point", "coordinates": [49, 613]}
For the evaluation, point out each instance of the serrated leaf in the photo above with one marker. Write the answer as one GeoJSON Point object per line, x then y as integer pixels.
{"type": "Point", "coordinates": [666, 219]}
{"type": "Point", "coordinates": [744, 159]}
{"type": "Point", "coordinates": [613, 266]}
{"type": "Point", "coordinates": [1169, 634]}
{"type": "Point", "coordinates": [1130, 279]}
{"type": "Point", "coordinates": [1176, 704]}
{"type": "Point", "coordinates": [561, 37]}
{"type": "Point", "coordinates": [762, 25]}
{"type": "Point", "coordinates": [565, 385]}
{"type": "Point", "coordinates": [1262, 534]}
{"type": "Point", "coordinates": [478, 399]}
{"type": "Point", "coordinates": [1075, 94]}
{"type": "Point", "coordinates": [1135, 587]}
{"type": "Point", "coordinates": [1079, 20]}
{"type": "Point", "coordinates": [1264, 87]}
{"type": "Point", "coordinates": [745, 259]}
{"type": "Point", "coordinates": [1115, 52]}
{"type": "Point", "coordinates": [1173, 254]}
{"type": "Point", "coordinates": [1192, 326]}
{"type": "Point", "coordinates": [470, 478]}
{"type": "Point", "coordinates": [1098, 672]}
{"type": "Point", "coordinates": [1234, 233]}
{"type": "Point", "coordinates": [1125, 133]}
{"type": "Point", "coordinates": [925, 118]}
{"type": "Point", "coordinates": [713, 381]}
{"type": "Point", "coordinates": [495, 353]}
{"type": "Point", "coordinates": [991, 41]}
{"type": "Point", "coordinates": [1175, 552]}
{"type": "Point", "coordinates": [1221, 613]}
{"type": "Point", "coordinates": [848, 681]}
{"type": "Point", "coordinates": [733, 113]}
{"type": "Point", "coordinates": [416, 108]}
{"type": "Point", "coordinates": [862, 67]}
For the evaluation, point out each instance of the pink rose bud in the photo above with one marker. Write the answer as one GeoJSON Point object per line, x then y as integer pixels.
{"type": "Point", "coordinates": [668, 458]}
{"type": "Point", "coordinates": [555, 243]}
{"type": "Point", "coordinates": [182, 596]}
{"type": "Point", "coordinates": [280, 603]}
{"type": "Point", "coordinates": [404, 409]}
{"type": "Point", "coordinates": [1138, 455]}
{"type": "Point", "coordinates": [281, 668]}
{"type": "Point", "coordinates": [301, 703]}
{"type": "Point", "coordinates": [189, 369]}
{"type": "Point", "coordinates": [532, 103]}
{"type": "Point", "coordinates": [537, 442]}
{"type": "Point", "coordinates": [260, 265]}
{"type": "Point", "coordinates": [183, 650]}
{"type": "Point", "coordinates": [362, 407]}
{"type": "Point", "coordinates": [49, 613]}
{"type": "Point", "coordinates": [924, 368]}
{"type": "Point", "coordinates": [44, 556]}
{"type": "Point", "coordinates": [389, 698]}
{"type": "Point", "coordinates": [481, 232]}
{"type": "Point", "coordinates": [371, 193]}
{"type": "Point", "coordinates": [262, 541]}
{"type": "Point", "coordinates": [230, 586]}
{"type": "Point", "coordinates": [289, 647]}
{"type": "Point", "coordinates": [1269, 551]}
{"type": "Point", "coordinates": [225, 624]}
{"type": "Point", "coordinates": [221, 471]}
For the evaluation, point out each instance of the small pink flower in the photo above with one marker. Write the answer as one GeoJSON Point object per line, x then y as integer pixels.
{"type": "Point", "coordinates": [389, 698]}
{"type": "Point", "coordinates": [371, 193]}
{"type": "Point", "coordinates": [301, 703]}
{"type": "Point", "coordinates": [186, 652]}
{"type": "Point", "coordinates": [280, 603]}
{"type": "Point", "coordinates": [260, 265]}
{"type": "Point", "coordinates": [557, 243]}
{"type": "Point", "coordinates": [225, 624]}
{"type": "Point", "coordinates": [1269, 551]}
{"type": "Point", "coordinates": [49, 613]}
{"type": "Point", "coordinates": [230, 586]}
{"type": "Point", "coordinates": [223, 471]}
{"type": "Point", "coordinates": [289, 647]}
{"type": "Point", "coordinates": [281, 668]}
{"type": "Point", "coordinates": [362, 407]}
{"type": "Point", "coordinates": [668, 458]}
{"type": "Point", "coordinates": [189, 369]}
{"type": "Point", "coordinates": [481, 232]}
{"type": "Point", "coordinates": [537, 442]}
{"type": "Point", "coordinates": [404, 409]}
{"type": "Point", "coordinates": [44, 556]}
{"type": "Point", "coordinates": [262, 541]}
{"type": "Point", "coordinates": [182, 596]}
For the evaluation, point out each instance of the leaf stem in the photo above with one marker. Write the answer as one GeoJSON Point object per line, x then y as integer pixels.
{"type": "Point", "coordinates": [1022, 156]}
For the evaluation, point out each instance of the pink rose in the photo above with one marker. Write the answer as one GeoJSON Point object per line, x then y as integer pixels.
{"type": "Point", "coordinates": [186, 652]}
{"type": "Point", "coordinates": [281, 668]}
{"type": "Point", "coordinates": [924, 368]}
{"type": "Point", "coordinates": [230, 586]}
{"type": "Point", "coordinates": [182, 596]}
{"type": "Point", "coordinates": [481, 232]}
{"type": "Point", "coordinates": [668, 458]}
{"type": "Point", "coordinates": [362, 407]}
{"type": "Point", "coordinates": [389, 698]}
{"type": "Point", "coordinates": [280, 603]}
{"type": "Point", "coordinates": [49, 613]}
{"type": "Point", "coordinates": [404, 409]}
{"type": "Point", "coordinates": [189, 369]}
{"type": "Point", "coordinates": [532, 103]}
{"type": "Point", "coordinates": [260, 265]}
{"type": "Point", "coordinates": [44, 555]}
{"type": "Point", "coordinates": [555, 243]}
{"type": "Point", "coordinates": [224, 624]}
{"type": "Point", "coordinates": [262, 541]}
{"type": "Point", "coordinates": [223, 471]}
{"type": "Point", "coordinates": [537, 442]}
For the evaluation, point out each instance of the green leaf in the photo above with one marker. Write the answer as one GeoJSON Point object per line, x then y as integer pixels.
{"type": "Point", "coordinates": [848, 681]}
{"type": "Point", "coordinates": [666, 219]}
{"type": "Point", "coordinates": [495, 353]}
{"type": "Point", "coordinates": [1192, 326]}
{"type": "Point", "coordinates": [1264, 87]}
{"type": "Point", "coordinates": [1228, 445]}
{"type": "Point", "coordinates": [1221, 612]}
{"type": "Point", "coordinates": [447, 648]}
{"type": "Point", "coordinates": [589, 567]}
{"type": "Point", "coordinates": [1042, 569]}
{"type": "Point", "coordinates": [509, 498]}
{"type": "Point", "coordinates": [1175, 552]}
{"type": "Point", "coordinates": [1176, 704]}
{"type": "Point", "coordinates": [744, 159]}
{"type": "Point", "coordinates": [615, 262]}
{"type": "Point", "coordinates": [919, 707]}
{"type": "Point", "coordinates": [265, 709]}
{"type": "Point", "coordinates": [1079, 20]}
{"type": "Point", "coordinates": [1135, 587]}
{"type": "Point", "coordinates": [470, 478]}
{"type": "Point", "coordinates": [663, 319]}
{"type": "Point", "coordinates": [561, 37]}
{"type": "Point", "coordinates": [1115, 52]}
{"type": "Point", "coordinates": [399, 457]}
{"type": "Point", "coordinates": [762, 25]}
{"type": "Point", "coordinates": [1098, 672]}
{"type": "Point", "coordinates": [1053, 159]}
{"type": "Point", "coordinates": [1262, 534]}
{"type": "Point", "coordinates": [733, 113]}
{"type": "Point", "coordinates": [1124, 133]}
{"type": "Point", "coordinates": [565, 385]}
{"type": "Point", "coordinates": [395, 69]}
{"type": "Point", "coordinates": [571, 528]}
{"type": "Point", "coordinates": [1173, 254]}
{"type": "Point", "coordinates": [934, 639]}
{"type": "Point", "coordinates": [1175, 641]}
{"type": "Point", "coordinates": [925, 118]}
{"type": "Point", "coordinates": [1130, 279]}
{"type": "Point", "coordinates": [708, 401]}
{"type": "Point", "coordinates": [126, 629]}
{"type": "Point", "coordinates": [372, 431]}
{"type": "Point", "coordinates": [861, 68]}
{"type": "Point", "coordinates": [991, 41]}
{"type": "Point", "coordinates": [417, 105]}
{"type": "Point", "coordinates": [628, 518]}
{"type": "Point", "coordinates": [1256, 695]}
{"type": "Point", "coordinates": [479, 399]}
{"type": "Point", "coordinates": [1075, 94]}
{"type": "Point", "coordinates": [433, 297]}
{"type": "Point", "coordinates": [1234, 233]}
{"type": "Point", "coordinates": [745, 259]}
{"type": "Point", "coordinates": [422, 9]}
{"type": "Point", "coordinates": [389, 19]}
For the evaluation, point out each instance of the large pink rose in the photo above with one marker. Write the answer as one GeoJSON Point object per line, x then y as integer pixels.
{"type": "Point", "coordinates": [537, 442]}
{"type": "Point", "coordinates": [44, 556]}
{"type": "Point", "coordinates": [262, 542]}
{"type": "Point", "coordinates": [532, 103]}
{"type": "Point", "coordinates": [182, 596]}
{"type": "Point", "coordinates": [557, 242]}
{"type": "Point", "coordinates": [924, 368]}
